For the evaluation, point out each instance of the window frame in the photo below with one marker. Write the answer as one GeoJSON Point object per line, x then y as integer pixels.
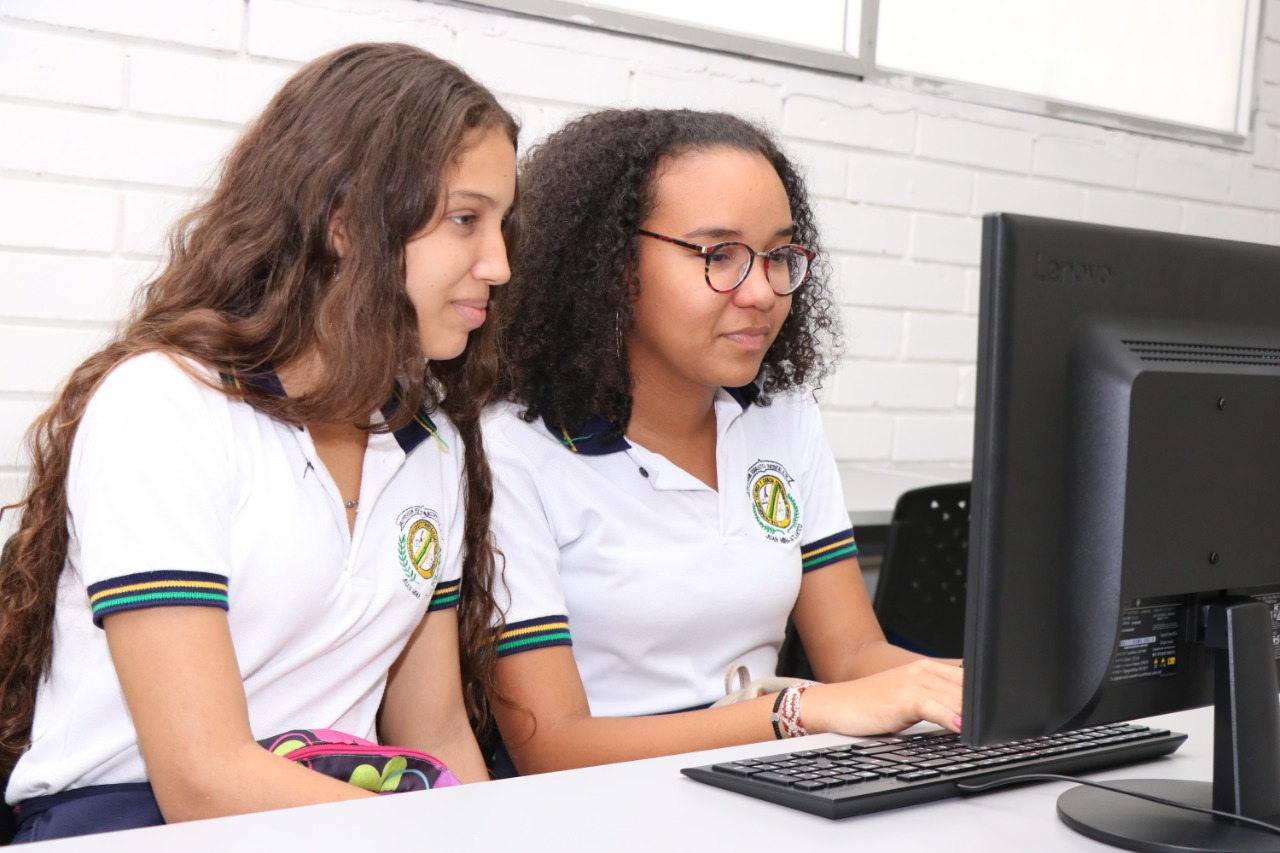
{"type": "Point", "coordinates": [863, 66]}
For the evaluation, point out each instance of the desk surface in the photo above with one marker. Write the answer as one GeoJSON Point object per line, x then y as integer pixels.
{"type": "Point", "coordinates": [648, 806]}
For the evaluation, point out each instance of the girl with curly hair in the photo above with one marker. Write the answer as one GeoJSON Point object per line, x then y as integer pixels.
{"type": "Point", "coordinates": [664, 495]}
{"type": "Point", "coordinates": [264, 504]}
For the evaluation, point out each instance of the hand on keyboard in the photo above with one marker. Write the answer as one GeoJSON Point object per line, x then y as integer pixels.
{"type": "Point", "coordinates": [890, 701]}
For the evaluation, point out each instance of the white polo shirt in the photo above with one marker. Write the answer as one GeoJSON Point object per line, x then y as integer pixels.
{"type": "Point", "coordinates": [657, 581]}
{"type": "Point", "coordinates": [181, 495]}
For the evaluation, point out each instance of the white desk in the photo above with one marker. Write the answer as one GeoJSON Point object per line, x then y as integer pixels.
{"type": "Point", "coordinates": [648, 806]}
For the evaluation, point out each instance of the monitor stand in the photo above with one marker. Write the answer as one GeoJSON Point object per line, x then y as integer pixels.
{"type": "Point", "coordinates": [1246, 756]}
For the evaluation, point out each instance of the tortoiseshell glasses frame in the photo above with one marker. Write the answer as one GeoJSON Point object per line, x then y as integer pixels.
{"type": "Point", "coordinates": [729, 263]}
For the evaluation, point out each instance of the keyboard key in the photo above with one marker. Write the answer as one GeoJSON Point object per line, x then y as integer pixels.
{"type": "Point", "coordinates": [736, 769]}
{"type": "Point", "coordinates": [951, 770]}
{"type": "Point", "coordinates": [772, 778]}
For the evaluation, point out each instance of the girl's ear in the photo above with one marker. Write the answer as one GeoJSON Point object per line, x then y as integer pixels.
{"type": "Point", "coordinates": [338, 233]}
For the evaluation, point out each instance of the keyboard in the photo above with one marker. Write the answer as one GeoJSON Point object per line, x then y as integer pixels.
{"type": "Point", "coordinates": [889, 772]}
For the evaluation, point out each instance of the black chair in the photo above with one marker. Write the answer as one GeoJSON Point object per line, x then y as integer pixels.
{"type": "Point", "coordinates": [919, 596]}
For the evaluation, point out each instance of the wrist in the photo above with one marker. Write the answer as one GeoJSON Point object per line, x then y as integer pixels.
{"type": "Point", "coordinates": [786, 718]}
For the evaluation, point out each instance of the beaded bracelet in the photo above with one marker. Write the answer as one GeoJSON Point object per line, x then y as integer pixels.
{"type": "Point", "coordinates": [786, 712]}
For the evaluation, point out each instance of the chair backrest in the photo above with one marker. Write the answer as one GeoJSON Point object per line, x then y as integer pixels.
{"type": "Point", "coordinates": [919, 596]}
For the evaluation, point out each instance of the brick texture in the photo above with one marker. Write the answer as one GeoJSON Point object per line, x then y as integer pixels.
{"type": "Point", "coordinates": [114, 115]}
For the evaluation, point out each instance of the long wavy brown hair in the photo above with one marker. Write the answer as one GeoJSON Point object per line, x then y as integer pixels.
{"type": "Point", "coordinates": [369, 130]}
{"type": "Point", "coordinates": [565, 315]}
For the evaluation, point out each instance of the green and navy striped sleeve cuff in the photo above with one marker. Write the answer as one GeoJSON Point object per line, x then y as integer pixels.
{"type": "Point", "coordinates": [157, 589]}
{"type": "Point", "coordinates": [831, 549]}
{"type": "Point", "coordinates": [534, 634]}
{"type": "Point", "coordinates": [445, 596]}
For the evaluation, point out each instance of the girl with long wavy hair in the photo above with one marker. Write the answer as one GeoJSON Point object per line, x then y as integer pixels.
{"type": "Point", "coordinates": [664, 494]}
{"type": "Point", "coordinates": [264, 504]}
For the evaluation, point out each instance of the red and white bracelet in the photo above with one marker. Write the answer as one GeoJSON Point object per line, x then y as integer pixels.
{"type": "Point", "coordinates": [786, 712]}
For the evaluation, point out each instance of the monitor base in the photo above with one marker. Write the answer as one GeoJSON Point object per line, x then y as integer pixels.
{"type": "Point", "coordinates": [1135, 824]}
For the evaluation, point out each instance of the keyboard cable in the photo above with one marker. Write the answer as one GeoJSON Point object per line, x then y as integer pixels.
{"type": "Point", "coordinates": [977, 787]}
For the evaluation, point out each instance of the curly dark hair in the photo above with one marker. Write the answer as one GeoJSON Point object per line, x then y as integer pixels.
{"type": "Point", "coordinates": [564, 316]}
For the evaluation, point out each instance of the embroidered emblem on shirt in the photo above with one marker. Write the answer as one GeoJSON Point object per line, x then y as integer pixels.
{"type": "Point", "coordinates": [419, 548]}
{"type": "Point", "coordinates": [774, 507]}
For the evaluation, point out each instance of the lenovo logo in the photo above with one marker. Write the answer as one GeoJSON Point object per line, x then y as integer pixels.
{"type": "Point", "coordinates": [1071, 272]}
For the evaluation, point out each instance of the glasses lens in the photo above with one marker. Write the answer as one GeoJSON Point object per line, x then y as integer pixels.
{"type": "Point", "coordinates": [727, 265]}
{"type": "Point", "coordinates": [788, 268]}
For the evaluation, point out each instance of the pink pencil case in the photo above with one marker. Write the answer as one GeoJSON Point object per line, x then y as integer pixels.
{"type": "Point", "coordinates": [360, 762]}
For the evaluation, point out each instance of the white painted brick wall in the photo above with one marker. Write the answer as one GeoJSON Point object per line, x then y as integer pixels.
{"type": "Point", "coordinates": [946, 239]}
{"type": "Point", "coordinates": [109, 147]}
{"type": "Point", "coordinates": [114, 113]}
{"type": "Point", "coordinates": [824, 167]}
{"type": "Point", "coordinates": [146, 217]}
{"type": "Point", "coordinates": [37, 214]}
{"type": "Point", "coordinates": [665, 89]}
{"type": "Point", "coordinates": [872, 334]}
{"type": "Point", "coordinates": [864, 384]}
{"type": "Point", "coordinates": [300, 31]}
{"type": "Point", "coordinates": [1100, 158]}
{"type": "Point", "coordinates": [859, 437]}
{"type": "Point", "coordinates": [932, 439]}
{"type": "Point", "coordinates": [57, 68]}
{"type": "Point", "coordinates": [1224, 222]}
{"type": "Point", "coordinates": [544, 72]}
{"type": "Point", "coordinates": [174, 83]}
{"type": "Point", "coordinates": [1132, 210]}
{"type": "Point", "coordinates": [1185, 171]}
{"type": "Point", "coordinates": [214, 24]}
{"type": "Point", "coordinates": [863, 125]}
{"type": "Point", "coordinates": [909, 183]}
{"type": "Point", "coordinates": [985, 146]}
{"type": "Point", "coordinates": [56, 288]}
{"type": "Point", "coordinates": [892, 283]}
{"type": "Point", "coordinates": [1009, 194]}
{"type": "Point", "coordinates": [942, 337]}
{"type": "Point", "coordinates": [61, 349]}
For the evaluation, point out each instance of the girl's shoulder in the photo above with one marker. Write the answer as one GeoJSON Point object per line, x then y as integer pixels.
{"type": "Point", "coordinates": [792, 405]}
{"type": "Point", "coordinates": [506, 432]}
{"type": "Point", "coordinates": [157, 376]}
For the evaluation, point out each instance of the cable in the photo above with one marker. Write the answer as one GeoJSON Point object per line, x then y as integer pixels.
{"type": "Point", "coordinates": [978, 787]}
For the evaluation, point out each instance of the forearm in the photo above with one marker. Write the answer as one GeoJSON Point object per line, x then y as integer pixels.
{"type": "Point", "coordinates": [240, 780]}
{"type": "Point", "coordinates": [455, 745]}
{"type": "Point", "coordinates": [873, 656]}
{"type": "Point", "coordinates": [581, 741]}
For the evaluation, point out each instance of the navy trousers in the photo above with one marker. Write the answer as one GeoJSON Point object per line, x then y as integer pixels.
{"type": "Point", "coordinates": [84, 811]}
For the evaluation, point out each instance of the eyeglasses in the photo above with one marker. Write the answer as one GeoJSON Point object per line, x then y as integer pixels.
{"type": "Point", "coordinates": [729, 264]}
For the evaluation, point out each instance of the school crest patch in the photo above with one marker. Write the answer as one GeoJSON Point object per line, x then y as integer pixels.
{"type": "Point", "coordinates": [773, 503]}
{"type": "Point", "coordinates": [419, 549]}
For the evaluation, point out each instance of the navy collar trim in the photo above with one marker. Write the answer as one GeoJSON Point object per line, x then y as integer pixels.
{"type": "Point", "coordinates": [591, 439]}
{"type": "Point", "coordinates": [408, 436]}
{"type": "Point", "coordinates": [417, 430]}
{"type": "Point", "coordinates": [264, 381]}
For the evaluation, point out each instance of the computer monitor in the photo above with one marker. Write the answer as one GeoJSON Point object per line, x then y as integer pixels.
{"type": "Point", "coordinates": [1125, 517]}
